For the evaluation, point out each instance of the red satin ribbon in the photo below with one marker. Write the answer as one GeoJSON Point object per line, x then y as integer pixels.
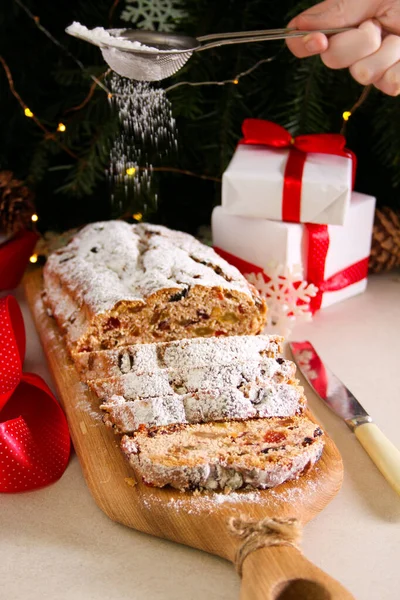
{"type": "Point", "coordinates": [34, 437]}
{"type": "Point", "coordinates": [266, 133]}
{"type": "Point", "coordinates": [318, 244]}
{"type": "Point", "coordinates": [14, 256]}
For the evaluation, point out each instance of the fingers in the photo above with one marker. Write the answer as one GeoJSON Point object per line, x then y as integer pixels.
{"type": "Point", "coordinates": [390, 82]}
{"type": "Point", "coordinates": [347, 48]}
{"type": "Point", "coordinates": [340, 50]}
{"type": "Point", "coordinates": [374, 67]}
{"type": "Point", "coordinates": [336, 13]}
{"type": "Point", "coordinates": [313, 43]}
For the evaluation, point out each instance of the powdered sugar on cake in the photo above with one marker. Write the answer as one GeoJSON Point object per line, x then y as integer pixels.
{"type": "Point", "coordinates": [248, 377]}
{"type": "Point", "coordinates": [113, 261]}
{"type": "Point", "coordinates": [185, 354]}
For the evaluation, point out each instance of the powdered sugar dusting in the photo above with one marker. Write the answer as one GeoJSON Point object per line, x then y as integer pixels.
{"type": "Point", "coordinates": [196, 395]}
{"type": "Point", "coordinates": [112, 261]}
{"type": "Point", "coordinates": [181, 354]}
{"type": "Point", "coordinates": [85, 406]}
{"type": "Point", "coordinates": [102, 37]}
{"type": "Point", "coordinates": [206, 502]}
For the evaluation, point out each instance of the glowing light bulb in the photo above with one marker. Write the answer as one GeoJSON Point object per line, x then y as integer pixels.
{"type": "Point", "coordinates": [109, 96]}
{"type": "Point", "coordinates": [137, 216]}
{"type": "Point", "coordinates": [34, 218]}
{"type": "Point", "coordinates": [346, 115]}
{"type": "Point", "coordinates": [61, 127]}
{"type": "Point", "coordinates": [28, 112]}
{"type": "Point", "coordinates": [33, 258]}
{"type": "Point", "coordinates": [131, 171]}
{"type": "Point", "coordinates": [236, 81]}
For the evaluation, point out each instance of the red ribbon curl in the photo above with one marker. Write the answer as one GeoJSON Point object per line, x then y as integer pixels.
{"type": "Point", "coordinates": [34, 437]}
{"type": "Point", "coordinates": [267, 133]}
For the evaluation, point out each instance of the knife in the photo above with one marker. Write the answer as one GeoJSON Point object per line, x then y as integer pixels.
{"type": "Point", "coordinates": [339, 399]}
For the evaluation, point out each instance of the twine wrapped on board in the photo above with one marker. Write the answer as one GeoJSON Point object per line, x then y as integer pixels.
{"type": "Point", "coordinates": [259, 534]}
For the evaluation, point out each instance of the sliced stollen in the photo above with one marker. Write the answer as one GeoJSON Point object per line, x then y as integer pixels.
{"type": "Point", "coordinates": [246, 376]}
{"type": "Point", "coordinates": [117, 284]}
{"type": "Point", "coordinates": [226, 404]}
{"type": "Point", "coordinates": [195, 352]}
{"type": "Point", "coordinates": [260, 453]}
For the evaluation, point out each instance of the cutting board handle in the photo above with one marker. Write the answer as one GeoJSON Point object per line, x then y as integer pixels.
{"type": "Point", "coordinates": [283, 573]}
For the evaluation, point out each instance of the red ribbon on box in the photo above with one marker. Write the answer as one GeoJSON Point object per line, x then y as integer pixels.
{"type": "Point", "coordinates": [14, 256]}
{"type": "Point", "coordinates": [318, 244]}
{"type": "Point", "coordinates": [34, 437]}
{"type": "Point", "coordinates": [267, 133]}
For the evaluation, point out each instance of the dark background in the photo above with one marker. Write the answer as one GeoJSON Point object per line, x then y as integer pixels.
{"type": "Point", "coordinates": [302, 95]}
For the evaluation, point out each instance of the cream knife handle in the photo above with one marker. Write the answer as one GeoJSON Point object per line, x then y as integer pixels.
{"type": "Point", "coordinates": [384, 454]}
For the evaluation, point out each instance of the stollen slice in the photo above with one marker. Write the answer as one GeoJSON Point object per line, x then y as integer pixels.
{"type": "Point", "coordinates": [195, 352]}
{"type": "Point", "coordinates": [230, 403]}
{"type": "Point", "coordinates": [246, 376]}
{"type": "Point", "coordinates": [260, 453]}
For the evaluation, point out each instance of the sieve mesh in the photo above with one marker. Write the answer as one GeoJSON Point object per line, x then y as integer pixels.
{"type": "Point", "coordinates": [144, 66]}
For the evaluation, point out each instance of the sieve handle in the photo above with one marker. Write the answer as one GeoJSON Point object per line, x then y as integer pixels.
{"type": "Point", "coordinates": [260, 36]}
{"type": "Point", "coordinates": [267, 32]}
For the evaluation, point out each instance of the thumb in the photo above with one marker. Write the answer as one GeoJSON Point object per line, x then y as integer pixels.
{"type": "Point", "coordinates": [335, 13]}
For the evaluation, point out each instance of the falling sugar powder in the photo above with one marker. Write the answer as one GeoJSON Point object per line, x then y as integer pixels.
{"type": "Point", "coordinates": [147, 133]}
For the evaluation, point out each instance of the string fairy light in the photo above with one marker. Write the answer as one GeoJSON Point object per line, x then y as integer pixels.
{"type": "Point", "coordinates": [61, 127]}
{"type": "Point", "coordinates": [33, 259]}
{"type": "Point", "coordinates": [349, 113]}
{"type": "Point", "coordinates": [30, 114]}
{"type": "Point", "coordinates": [34, 218]}
{"type": "Point", "coordinates": [235, 80]}
{"type": "Point", "coordinates": [137, 216]}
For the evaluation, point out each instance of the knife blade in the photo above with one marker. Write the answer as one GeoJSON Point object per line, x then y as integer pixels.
{"type": "Point", "coordinates": [343, 403]}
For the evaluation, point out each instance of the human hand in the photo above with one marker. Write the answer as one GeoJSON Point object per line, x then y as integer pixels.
{"type": "Point", "coordinates": [371, 51]}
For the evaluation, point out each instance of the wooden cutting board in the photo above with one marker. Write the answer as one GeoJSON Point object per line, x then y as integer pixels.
{"type": "Point", "coordinates": [195, 520]}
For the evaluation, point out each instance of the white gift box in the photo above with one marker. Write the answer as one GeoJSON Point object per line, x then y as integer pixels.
{"type": "Point", "coordinates": [253, 185]}
{"type": "Point", "coordinates": [262, 242]}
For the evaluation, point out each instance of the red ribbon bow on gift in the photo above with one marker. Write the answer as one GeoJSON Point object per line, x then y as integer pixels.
{"type": "Point", "coordinates": [267, 133]}
{"type": "Point", "coordinates": [34, 437]}
{"type": "Point", "coordinates": [14, 256]}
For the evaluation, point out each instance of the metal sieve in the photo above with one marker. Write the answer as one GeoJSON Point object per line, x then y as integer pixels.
{"type": "Point", "coordinates": [168, 52]}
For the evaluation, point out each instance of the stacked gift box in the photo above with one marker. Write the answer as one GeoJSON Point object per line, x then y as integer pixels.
{"type": "Point", "coordinates": [290, 202]}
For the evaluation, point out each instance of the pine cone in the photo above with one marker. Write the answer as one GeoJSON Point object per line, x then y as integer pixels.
{"type": "Point", "coordinates": [385, 251]}
{"type": "Point", "coordinates": [16, 204]}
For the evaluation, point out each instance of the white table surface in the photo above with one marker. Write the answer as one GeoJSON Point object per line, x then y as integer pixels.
{"type": "Point", "coordinates": [56, 544]}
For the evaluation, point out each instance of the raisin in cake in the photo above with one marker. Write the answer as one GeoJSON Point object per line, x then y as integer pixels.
{"type": "Point", "coordinates": [199, 352]}
{"type": "Point", "coordinates": [260, 453]}
{"type": "Point", "coordinates": [117, 284]}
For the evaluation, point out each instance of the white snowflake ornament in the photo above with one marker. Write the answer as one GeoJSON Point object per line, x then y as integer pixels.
{"type": "Point", "coordinates": [159, 15]}
{"type": "Point", "coordinates": [287, 295]}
